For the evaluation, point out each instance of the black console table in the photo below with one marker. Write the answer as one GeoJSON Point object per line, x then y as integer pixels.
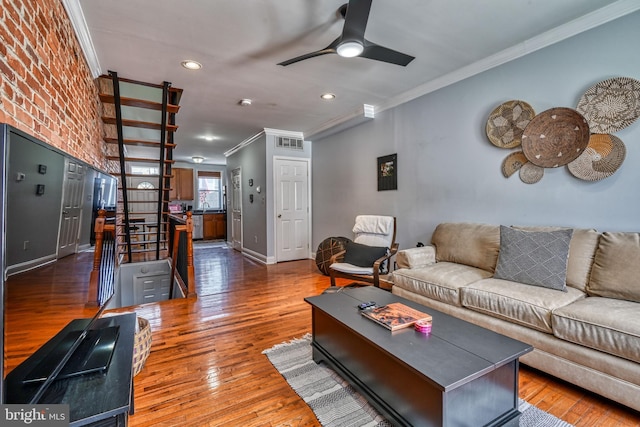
{"type": "Point", "coordinates": [98, 399]}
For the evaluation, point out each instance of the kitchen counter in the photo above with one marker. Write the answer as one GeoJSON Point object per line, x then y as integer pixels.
{"type": "Point", "coordinates": [209, 211]}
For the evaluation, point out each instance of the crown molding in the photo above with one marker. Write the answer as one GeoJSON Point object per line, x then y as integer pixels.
{"type": "Point", "coordinates": [79, 24]}
{"type": "Point", "coordinates": [356, 117]}
{"type": "Point", "coordinates": [244, 143]}
{"type": "Point", "coordinates": [285, 133]}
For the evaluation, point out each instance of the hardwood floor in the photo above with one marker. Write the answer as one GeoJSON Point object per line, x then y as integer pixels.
{"type": "Point", "coordinates": [206, 366]}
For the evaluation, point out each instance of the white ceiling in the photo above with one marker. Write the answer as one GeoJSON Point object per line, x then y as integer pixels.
{"type": "Point", "coordinates": [240, 42]}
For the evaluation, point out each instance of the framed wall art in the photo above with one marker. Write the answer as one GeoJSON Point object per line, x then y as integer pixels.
{"type": "Point", "coordinates": [388, 172]}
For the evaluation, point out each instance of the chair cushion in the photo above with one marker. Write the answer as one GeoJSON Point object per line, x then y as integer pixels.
{"type": "Point", "coordinates": [536, 258]}
{"type": "Point", "coordinates": [351, 269]}
{"type": "Point", "coordinates": [374, 230]}
{"type": "Point", "coordinates": [362, 255]}
{"type": "Point", "coordinates": [373, 224]}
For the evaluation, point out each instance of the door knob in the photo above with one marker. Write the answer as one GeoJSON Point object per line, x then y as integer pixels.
{"type": "Point", "coordinates": [279, 215]}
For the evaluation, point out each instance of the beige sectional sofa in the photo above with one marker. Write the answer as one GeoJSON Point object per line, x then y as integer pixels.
{"type": "Point", "coordinates": [587, 332]}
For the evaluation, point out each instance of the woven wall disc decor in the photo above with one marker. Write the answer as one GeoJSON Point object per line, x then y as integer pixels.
{"type": "Point", "coordinates": [555, 137]}
{"type": "Point", "coordinates": [611, 105]}
{"type": "Point", "coordinates": [507, 122]}
{"type": "Point", "coordinates": [601, 159]}
{"type": "Point", "coordinates": [512, 163]}
{"type": "Point", "coordinates": [530, 173]}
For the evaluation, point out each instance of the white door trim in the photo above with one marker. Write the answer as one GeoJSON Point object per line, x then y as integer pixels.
{"type": "Point", "coordinates": [236, 242]}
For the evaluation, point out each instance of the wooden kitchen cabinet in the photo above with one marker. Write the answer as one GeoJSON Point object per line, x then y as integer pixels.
{"type": "Point", "coordinates": [220, 223]}
{"type": "Point", "coordinates": [181, 184]}
{"type": "Point", "coordinates": [208, 227]}
{"type": "Point", "coordinates": [214, 226]}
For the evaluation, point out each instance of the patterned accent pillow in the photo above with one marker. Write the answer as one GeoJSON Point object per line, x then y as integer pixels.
{"type": "Point", "coordinates": [536, 258]}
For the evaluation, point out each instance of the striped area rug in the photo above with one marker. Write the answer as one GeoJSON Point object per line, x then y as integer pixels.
{"type": "Point", "coordinates": [336, 404]}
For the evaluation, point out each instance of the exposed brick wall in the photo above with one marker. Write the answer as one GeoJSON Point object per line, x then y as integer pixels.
{"type": "Point", "coordinates": [46, 89]}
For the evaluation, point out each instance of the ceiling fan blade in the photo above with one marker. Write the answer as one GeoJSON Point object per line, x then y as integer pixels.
{"type": "Point", "coordinates": [329, 49]}
{"type": "Point", "coordinates": [381, 53]}
{"type": "Point", "coordinates": [355, 21]}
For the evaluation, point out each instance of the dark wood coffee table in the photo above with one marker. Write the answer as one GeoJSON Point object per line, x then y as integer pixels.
{"type": "Point", "coordinates": [458, 375]}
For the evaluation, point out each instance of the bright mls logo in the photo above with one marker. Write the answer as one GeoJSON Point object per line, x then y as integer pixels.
{"type": "Point", "coordinates": [35, 415]}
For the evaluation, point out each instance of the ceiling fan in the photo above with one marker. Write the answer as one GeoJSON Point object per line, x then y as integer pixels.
{"type": "Point", "coordinates": [352, 42]}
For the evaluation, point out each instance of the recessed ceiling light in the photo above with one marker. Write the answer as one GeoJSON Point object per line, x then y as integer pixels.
{"type": "Point", "coordinates": [197, 159]}
{"type": "Point", "coordinates": [190, 64]}
{"type": "Point", "coordinates": [328, 96]}
{"type": "Point", "coordinates": [245, 102]}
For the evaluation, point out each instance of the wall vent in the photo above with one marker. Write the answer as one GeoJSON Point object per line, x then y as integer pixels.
{"type": "Point", "coordinates": [289, 143]}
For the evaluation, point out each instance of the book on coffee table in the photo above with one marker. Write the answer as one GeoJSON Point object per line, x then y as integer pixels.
{"type": "Point", "coordinates": [395, 316]}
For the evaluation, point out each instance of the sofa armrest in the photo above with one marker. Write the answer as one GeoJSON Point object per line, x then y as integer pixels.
{"type": "Point", "coordinates": [416, 257]}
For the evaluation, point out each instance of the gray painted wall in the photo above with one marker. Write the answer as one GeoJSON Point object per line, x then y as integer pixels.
{"type": "Point", "coordinates": [36, 218]}
{"type": "Point", "coordinates": [272, 154]}
{"type": "Point", "coordinates": [256, 161]}
{"type": "Point", "coordinates": [32, 218]}
{"type": "Point", "coordinates": [448, 169]}
{"type": "Point", "coordinates": [252, 160]}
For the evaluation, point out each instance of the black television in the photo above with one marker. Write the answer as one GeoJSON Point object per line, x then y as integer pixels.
{"type": "Point", "coordinates": [80, 352]}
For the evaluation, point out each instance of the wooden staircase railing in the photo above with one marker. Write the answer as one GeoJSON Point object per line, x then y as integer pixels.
{"type": "Point", "coordinates": [103, 271]}
{"type": "Point", "coordinates": [97, 272]}
{"type": "Point", "coordinates": [140, 122]}
{"type": "Point", "coordinates": [189, 288]}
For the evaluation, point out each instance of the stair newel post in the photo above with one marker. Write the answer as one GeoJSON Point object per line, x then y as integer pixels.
{"type": "Point", "coordinates": [123, 171]}
{"type": "Point", "coordinates": [92, 299]}
{"type": "Point", "coordinates": [191, 274]}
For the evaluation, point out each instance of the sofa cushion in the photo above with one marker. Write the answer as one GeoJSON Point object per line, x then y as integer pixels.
{"type": "Point", "coordinates": [441, 281]}
{"type": "Point", "coordinates": [616, 267]}
{"type": "Point", "coordinates": [416, 257]}
{"type": "Point", "coordinates": [536, 258]}
{"type": "Point", "coordinates": [470, 244]}
{"type": "Point", "coordinates": [605, 324]}
{"type": "Point", "coordinates": [530, 306]}
{"type": "Point", "coordinates": [582, 251]}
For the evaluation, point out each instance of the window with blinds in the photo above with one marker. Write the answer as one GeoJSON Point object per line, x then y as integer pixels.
{"type": "Point", "coordinates": [209, 194]}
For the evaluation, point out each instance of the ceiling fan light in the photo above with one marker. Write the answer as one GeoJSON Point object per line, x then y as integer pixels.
{"type": "Point", "coordinates": [349, 49]}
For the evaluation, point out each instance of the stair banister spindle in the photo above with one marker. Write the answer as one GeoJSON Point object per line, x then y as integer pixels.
{"type": "Point", "coordinates": [123, 172]}
{"type": "Point", "coordinates": [163, 140]}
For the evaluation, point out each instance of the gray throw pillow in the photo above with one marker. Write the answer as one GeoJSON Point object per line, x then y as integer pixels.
{"type": "Point", "coordinates": [536, 258]}
{"type": "Point", "coordinates": [362, 255]}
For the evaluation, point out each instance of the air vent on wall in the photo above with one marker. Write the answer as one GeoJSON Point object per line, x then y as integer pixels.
{"type": "Point", "coordinates": [290, 143]}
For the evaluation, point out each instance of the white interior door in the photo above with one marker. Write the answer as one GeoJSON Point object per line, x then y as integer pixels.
{"type": "Point", "coordinates": [72, 195]}
{"type": "Point", "coordinates": [292, 209]}
{"type": "Point", "coordinates": [236, 209]}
